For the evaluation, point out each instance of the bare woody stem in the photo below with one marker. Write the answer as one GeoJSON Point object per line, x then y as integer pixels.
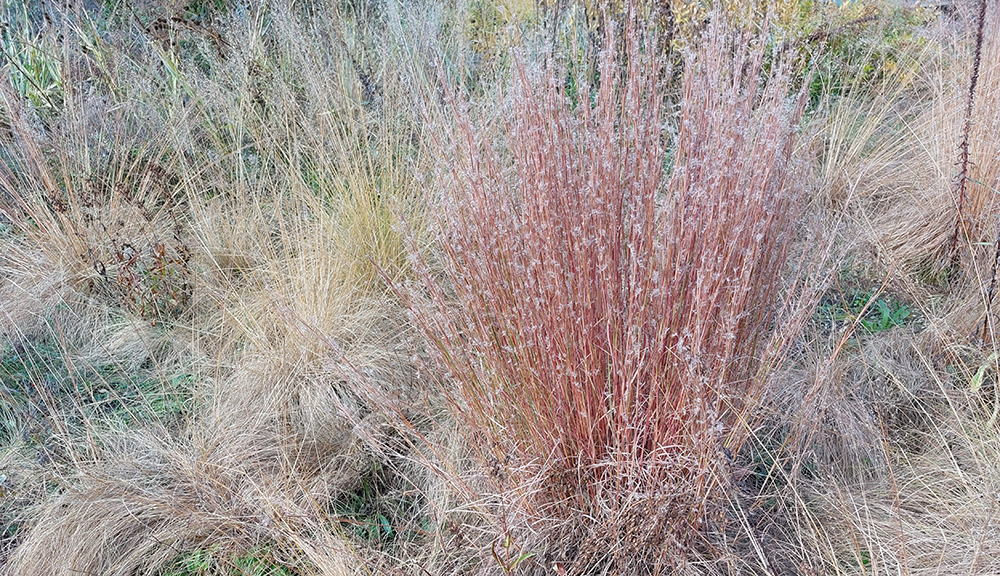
{"type": "Point", "coordinates": [963, 157]}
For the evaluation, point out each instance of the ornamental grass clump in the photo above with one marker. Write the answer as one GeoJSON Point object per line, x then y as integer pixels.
{"type": "Point", "coordinates": [598, 316]}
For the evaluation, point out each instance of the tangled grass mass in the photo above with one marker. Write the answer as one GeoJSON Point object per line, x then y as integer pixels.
{"type": "Point", "coordinates": [479, 288]}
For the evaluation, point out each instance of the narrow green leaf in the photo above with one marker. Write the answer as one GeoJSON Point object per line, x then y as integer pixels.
{"type": "Point", "coordinates": [520, 559]}
{"type": "Point", "coordinates": [977, 379]}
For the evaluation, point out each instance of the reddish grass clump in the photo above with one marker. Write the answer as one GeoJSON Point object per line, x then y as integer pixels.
{"type": "Point", "coordinates": [599, 314]}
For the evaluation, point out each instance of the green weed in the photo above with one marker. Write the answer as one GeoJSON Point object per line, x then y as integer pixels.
{"type": "Point", "coordinates": [39, 378]}
{"type": "Point", "coordinates": [863, 309]}
{"type": "Point", "coordinates": [886, 316]}
{"type": "Point", "coordinates": [384, 509]}
{"type": "Point", "coordinates": [196, 563]}
{"type": "Point", "coordinates": [259, 561]}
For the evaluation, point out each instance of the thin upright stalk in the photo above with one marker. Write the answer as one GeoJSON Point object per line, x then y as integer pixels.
{"type": "Point", "coordinates": [961, 221]}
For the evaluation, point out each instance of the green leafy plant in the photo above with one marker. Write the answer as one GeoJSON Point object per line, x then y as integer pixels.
{"type": "Point", "coordinates": [885, 316]}
{"type": "Point", "coordinates": [380, 512]}
{"type": "Point", "coordinates": [39, 376]}
{"type": "Point", "coordinates": [360, 514]}
{"type": "Point", "coordinates": [865, 558]}
{"type": "Point", "coordinates": [195, 563]}
{"type": "Point", "coordinates": [259, 561]}
{"type": "Point", "coordinates": [864, 308]}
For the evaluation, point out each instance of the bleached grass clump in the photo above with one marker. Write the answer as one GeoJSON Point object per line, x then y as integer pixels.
{"type": "Point", "coordinates": [272, 187]}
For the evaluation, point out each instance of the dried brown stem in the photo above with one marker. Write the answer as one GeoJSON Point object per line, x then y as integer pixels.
{"type": "Point", "coordinates": [961, 220]}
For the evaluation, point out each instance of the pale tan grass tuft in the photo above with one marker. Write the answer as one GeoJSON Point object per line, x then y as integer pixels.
{"type": "Point", "coordinates": [286, 174]}
{"type": "Point", "coordinates": [908, 218]}
{"type": "Point", "coordinates": [144, 500]}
